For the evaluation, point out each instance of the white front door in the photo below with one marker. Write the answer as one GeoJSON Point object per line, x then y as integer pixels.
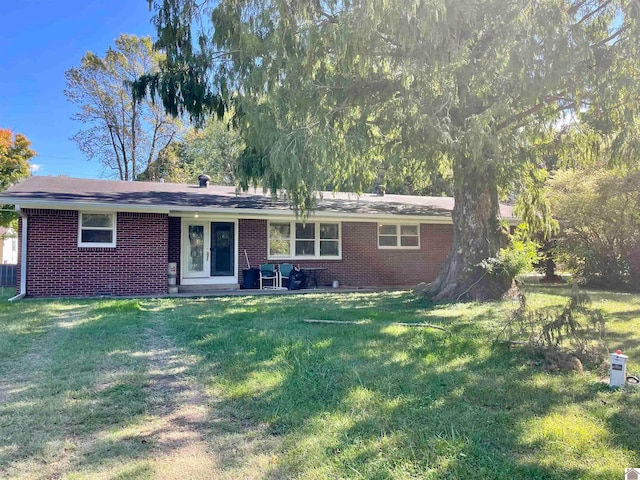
{"type": "Point", "coordinates": [209, 252]}
{"type": "Point", "coordinates": [196, 245]}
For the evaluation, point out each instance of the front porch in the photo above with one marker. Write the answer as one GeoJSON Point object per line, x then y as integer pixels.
{"type": "Point", "coordinates": [217, 253]}
{"type": "Point", "coordinates": [217, 292]}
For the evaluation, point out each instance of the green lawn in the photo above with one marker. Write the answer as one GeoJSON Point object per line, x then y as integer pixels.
{"type": "Point", "coordinates": [241, 387]}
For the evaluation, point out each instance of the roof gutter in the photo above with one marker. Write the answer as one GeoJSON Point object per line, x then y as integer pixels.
{"type": "Point", "coordinates": [234, 212]}
{"type": "Point", "coordinates": [80, 205]}
{"type": "Point", "coordinates": [23, 258]}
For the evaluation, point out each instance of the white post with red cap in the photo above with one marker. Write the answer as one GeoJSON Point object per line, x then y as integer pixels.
{"type": "Point", "coordinates": [618, 369]}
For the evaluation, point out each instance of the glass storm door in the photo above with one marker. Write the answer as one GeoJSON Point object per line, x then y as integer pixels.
{"type": "Point", "coordinates": [222, 249]}
{"type": "Point", "coordinates": [197, 251]}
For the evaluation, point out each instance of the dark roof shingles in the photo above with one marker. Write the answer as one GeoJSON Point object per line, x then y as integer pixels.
{"type": "Point", "coordinates": [66, 189]}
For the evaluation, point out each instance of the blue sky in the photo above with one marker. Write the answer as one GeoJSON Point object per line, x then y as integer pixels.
{"type": "Point", "coordinates": [39, 40]}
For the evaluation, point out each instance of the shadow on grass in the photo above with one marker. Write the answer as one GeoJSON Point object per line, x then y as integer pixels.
{"type": "Point", "coordinates": [627, 316]}
{"type": "Point", "coordinates": [375, 400]}
{"type": "Point", "coordinates": [630, 345]}
{"type": "Point", "coordinates": [362, 401]}
{"type": "Point", "coordinates": [463, 418]}
{"type": "Point", "coordinates": [66, 387]}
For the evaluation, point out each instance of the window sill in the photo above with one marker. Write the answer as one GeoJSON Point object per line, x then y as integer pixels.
{"type": "Point", "coordinates": [302, 259]}
{"type": "Point", "coordinates": [96, 247]}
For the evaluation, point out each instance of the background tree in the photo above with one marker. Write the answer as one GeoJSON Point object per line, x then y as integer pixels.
{"type": "Point", "coordinates": [211, 150]}
{"type": "Point", "coordinates": [600, 237]}
{"type": "Point", "coordinates": [125, 135]}
{"type": "Point", "coordinates": [15, 154]}
{"type": "Point", "coordinates": [167, 166]}
{"type": "Point", "coordinates": [555, 148]}
{"type": "Point", "coordinates": [334, 88]}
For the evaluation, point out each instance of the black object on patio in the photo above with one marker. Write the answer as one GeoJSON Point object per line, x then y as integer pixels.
{"type": "Point", "coordinates": [297, 280]}
{"type": "Point", "coordinates": [250, 278]}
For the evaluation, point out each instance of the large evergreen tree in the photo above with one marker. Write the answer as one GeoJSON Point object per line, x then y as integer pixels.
{"type": "Point", "coordinates": [339, 87]}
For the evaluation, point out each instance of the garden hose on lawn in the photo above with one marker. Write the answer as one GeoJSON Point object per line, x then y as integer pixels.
{"type": "Point", "coordinates": [632, 380]}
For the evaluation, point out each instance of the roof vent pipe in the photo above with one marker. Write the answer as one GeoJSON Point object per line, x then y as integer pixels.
{"type": "Point", "coordinates": [380, 190]}
{"type": "Point", "coordinates": [204, 181]}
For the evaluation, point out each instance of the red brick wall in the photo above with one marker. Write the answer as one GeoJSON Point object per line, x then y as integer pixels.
{"type": "Point", "coordinates": [175, 230]}
{"type": "Point", "coordinates": [58, 267]}
{"type": "Point", "coordinates": [367, 265]}
{"type": "Point", "coordinates": [252, 237]}
{"type": "Point", "coordinates": [363, 263]}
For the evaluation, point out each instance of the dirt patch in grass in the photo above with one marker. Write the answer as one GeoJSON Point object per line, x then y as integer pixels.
{"type": "Point", "coordinates": [187, 435]}
{"type": "Point", "coordinates": [179, 426]}
{"type": "Point", "coordinates": [104, 394]}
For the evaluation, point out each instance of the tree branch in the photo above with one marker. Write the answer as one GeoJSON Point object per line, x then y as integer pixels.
{"type": "Point", "coordinates": [533, 110]}
{"type": "Point", "coordinates": [576, 7]}
{"type": "Point", "coordinates": [594, 12]}
{"type": "Point", "coordinates": [615, 34]}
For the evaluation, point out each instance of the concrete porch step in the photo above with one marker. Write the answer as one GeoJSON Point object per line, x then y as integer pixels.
{"type": "Point", "coordinates": [207, 288]}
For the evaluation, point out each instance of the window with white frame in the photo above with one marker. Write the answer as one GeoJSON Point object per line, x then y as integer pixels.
{"type": "Point", "coordinates": [304, 240]}
{"type": "Point", "coordinates": [398, 236]}
{"type": "Point", "coordinates": [97, 229]}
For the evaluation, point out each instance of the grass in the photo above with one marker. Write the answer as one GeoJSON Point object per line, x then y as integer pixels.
{"type": "Point", "coordinates": [236, 387]}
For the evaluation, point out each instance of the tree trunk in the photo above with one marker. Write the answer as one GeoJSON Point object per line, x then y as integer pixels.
{"type": "Point", "coordinates": [477, 235]}
{"type": "Point", "coordinates": [548, 262]}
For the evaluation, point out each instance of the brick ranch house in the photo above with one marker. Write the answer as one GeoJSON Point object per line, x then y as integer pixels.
{"type": "Point", "coordinates": [82, 237]}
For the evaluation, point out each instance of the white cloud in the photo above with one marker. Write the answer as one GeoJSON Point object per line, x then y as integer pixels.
{"type": "Point", "coordinates": [35, 168]}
